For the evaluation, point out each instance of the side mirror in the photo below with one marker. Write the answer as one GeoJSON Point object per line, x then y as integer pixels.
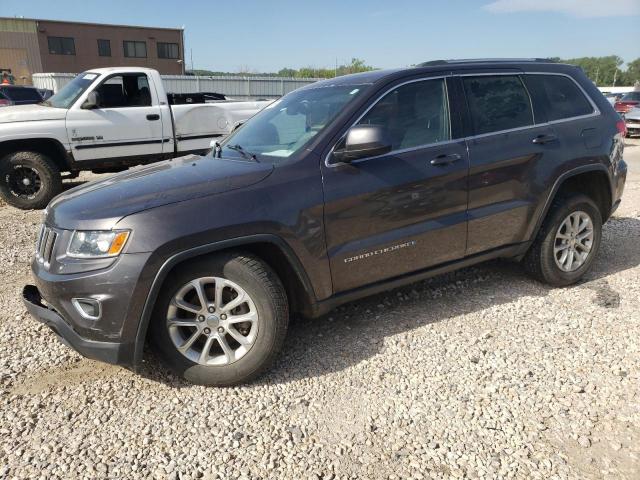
{"type": "Point", "coordinates": [363, 141]}
{"type": "Point", "coordinates": [92, 101]}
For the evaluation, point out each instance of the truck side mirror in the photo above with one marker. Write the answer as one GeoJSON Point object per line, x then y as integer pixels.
{"type": "Point", "coordinates": [92, 101]}
{"type": "Point", "coordinates": [363, 141]}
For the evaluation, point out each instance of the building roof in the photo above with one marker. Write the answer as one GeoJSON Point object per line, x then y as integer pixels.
{"type": "Point", "coordinates": [90, 23]}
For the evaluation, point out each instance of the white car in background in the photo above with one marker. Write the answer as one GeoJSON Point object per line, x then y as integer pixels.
{"type": "Point", "coordinates": [104, 120]}
{"type": "Point", "coordinates": [632, 121]}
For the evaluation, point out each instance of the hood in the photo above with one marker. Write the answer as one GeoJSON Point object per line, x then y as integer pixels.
{"type": "Point", "coordinates": [31, 113]}
{"type": "Point", "coordinates": [101, 204]}
{"type": "Point", "coordinates": [633, 114]}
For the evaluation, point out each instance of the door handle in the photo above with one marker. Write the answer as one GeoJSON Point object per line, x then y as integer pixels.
{"type": "Point", "coordinates": [153, 117]}
{"type": "Point", "coordinates": [445, 159]}
{"type": "Point", "coordinates": [542, 139]}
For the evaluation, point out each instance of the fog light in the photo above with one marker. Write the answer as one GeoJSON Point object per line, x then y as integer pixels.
{"type": "Point", "coordinates": [88, 308]}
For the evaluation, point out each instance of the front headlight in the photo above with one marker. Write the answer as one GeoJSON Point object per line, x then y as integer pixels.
{"type": "Point", "coordinates": [97, 244]}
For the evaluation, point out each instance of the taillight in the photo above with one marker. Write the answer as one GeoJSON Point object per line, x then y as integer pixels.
{"type": "Point", "coordinates": [622, 127]}
{"type": "Point", "coordinates": [625, 106]}
{"type": "Point", "coordinates": [5, 103]}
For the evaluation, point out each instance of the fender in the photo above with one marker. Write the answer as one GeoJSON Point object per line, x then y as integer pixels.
{"type": "Point", "coordinates": [62, 156]}
{"type": "Point", "coordinates": [193, 252]}
{"type": "Point", "coordinates": [595, 167]}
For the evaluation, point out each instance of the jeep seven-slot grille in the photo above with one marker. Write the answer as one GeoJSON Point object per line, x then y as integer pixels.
{"type": "Point", "coordinates": [44, 245]}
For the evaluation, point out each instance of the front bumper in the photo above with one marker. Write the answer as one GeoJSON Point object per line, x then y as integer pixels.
{"type": "Point", "coordinates": [121, 290]}
{"type": "Point", "coordinates": [633, 126]}
{"type": "Point", "coordinates": [104, 351]}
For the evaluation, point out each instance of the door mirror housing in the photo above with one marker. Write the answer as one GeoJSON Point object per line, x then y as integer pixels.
{"type": "Point", "coordinates": [92, 101]}
{"type": "Point", "coordinates": [363, 141]}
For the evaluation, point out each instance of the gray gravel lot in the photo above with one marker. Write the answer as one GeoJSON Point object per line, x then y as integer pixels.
{"type": "Point", "coordinates": [482, 373]}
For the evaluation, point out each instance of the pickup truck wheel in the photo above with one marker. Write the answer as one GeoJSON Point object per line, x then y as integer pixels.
{"type": "Point", "coordinates": [221, 321]}
{"type": "Point", "coordinates": [567, 243]}
{"type": "Point", "coordinates": [29, 180]}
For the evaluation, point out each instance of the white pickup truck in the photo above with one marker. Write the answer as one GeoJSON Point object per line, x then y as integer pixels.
{"type": "Point", "coordinates": [105, 120]}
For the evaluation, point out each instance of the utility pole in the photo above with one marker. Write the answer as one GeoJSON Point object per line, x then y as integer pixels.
{"type": "Point", "coordinates": [615, 76]}
{"type": "Point", "coordinates": [597, 75]}
{"type": "Point", "coordinates": [335, 72]}
{"type": "Point", "coordinates": [192, 69]}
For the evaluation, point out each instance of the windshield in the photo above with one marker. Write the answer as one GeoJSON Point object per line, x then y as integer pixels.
{"type": "Point", "coordinates": [71, 91]}
{"type": "Point", "coordinates": [284, 127]}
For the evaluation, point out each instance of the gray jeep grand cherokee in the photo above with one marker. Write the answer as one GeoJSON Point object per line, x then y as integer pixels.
{"type": "Point", "coordinates": [339, 190]}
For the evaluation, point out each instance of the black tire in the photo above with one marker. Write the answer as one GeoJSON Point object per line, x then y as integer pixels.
{"type": "Point", "coordinates": [267, 293]}
{"type": "Point", "coordinates": [34, 167]}
{"type": "Point", "coordinates": [540, 261]}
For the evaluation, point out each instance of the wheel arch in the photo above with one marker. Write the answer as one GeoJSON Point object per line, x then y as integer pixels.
{"type": "Point", "coordinates": [273, 250]}
{"type": "Point", "coordinates": [50, 147]}
{"type": "Point", "coordinates": [591, 180]}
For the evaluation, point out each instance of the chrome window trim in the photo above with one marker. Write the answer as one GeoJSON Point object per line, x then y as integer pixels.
{"type": "Point", "coordinates": [596, 112]}
{"type": "Point", "coordinates": [375, 102]}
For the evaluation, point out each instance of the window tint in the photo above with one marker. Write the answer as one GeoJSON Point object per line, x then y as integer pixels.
{"type": "Point", "coordinates": [631, 97]}
{"type": "Point", "coordinates": [135, 49]}
{"type": "Point", "coordinates": [61, 46]}
{"type": "Point", "coordinates": [104, 48]}
{"type": "Point", "coordinates": [168, 50]}
{"type": "Point", "coordinates": [497, 103]}
{"type": "Point", "coordinates": [125, 91]}
{"type": "Point", "coordinates": [414, 114]}
{"type": "Point", "coordinates": [563, 97]}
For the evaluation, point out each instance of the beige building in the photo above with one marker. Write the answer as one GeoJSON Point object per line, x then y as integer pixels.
{"type": "Point", "coordinates": [30, 46]}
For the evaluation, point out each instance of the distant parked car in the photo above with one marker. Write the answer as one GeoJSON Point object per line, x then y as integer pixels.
{"type": "Point", "coordinates": [613, 97]}
{"type": "Point", "coordinates": [18, 95]}
{"type": "Point", "coordinates": [627, 102]}
{"type": "Point", "coordinates": [632, 120]}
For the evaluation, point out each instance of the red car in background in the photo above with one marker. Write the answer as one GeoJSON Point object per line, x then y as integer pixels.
{"type": "Point", "coordinates": [627, 102]}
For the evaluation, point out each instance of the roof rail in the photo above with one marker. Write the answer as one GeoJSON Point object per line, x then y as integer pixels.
{"type": "Point", "coordinates": [433, 63]}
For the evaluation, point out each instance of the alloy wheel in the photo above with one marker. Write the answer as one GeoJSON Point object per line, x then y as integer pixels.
{"type": "Point", "coordinates": [212, 321]}
{"type": "Point", "coordinates": [24, 182]}
{"type": "Point", "coordinates": [574, 241]}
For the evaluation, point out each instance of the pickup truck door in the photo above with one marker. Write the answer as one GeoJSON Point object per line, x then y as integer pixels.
{"type": "Point", "coordinates": [128, 123]}
{"type": "Point", "coordinates": [404, 211]}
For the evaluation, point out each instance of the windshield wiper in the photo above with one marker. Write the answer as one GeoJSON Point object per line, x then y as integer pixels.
{"type": "Point", "coordinates": [243, 152]}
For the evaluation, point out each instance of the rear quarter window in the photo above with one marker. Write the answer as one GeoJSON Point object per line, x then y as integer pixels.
{"type": "Point", "coordinates": [497, 103]}
{"type": "Point", "coordinates": [562, 97]}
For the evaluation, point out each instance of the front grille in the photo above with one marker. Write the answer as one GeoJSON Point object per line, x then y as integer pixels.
{"type": "Point", "coordinates": [45, 244]}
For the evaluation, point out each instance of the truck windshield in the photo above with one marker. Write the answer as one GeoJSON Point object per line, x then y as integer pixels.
{"type": "Point", "coordinates": [285, 126]}
{"type": "Point", "coordinates": [71, 91]}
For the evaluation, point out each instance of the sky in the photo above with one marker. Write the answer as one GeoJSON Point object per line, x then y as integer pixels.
{"type": "Point", "coordinates": [265, 36]}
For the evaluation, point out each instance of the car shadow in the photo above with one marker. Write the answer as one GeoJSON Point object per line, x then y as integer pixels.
{"type": "Point", "coordinates": [360, 330]}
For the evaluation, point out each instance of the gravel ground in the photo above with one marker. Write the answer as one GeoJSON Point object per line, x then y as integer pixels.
{"type": "Point", "coordinates": [482, 373]}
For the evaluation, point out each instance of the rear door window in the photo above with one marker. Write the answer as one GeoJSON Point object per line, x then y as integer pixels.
{"type": "Point", "coordinates": [497, 103]}
{"type": "Point", "coordinates": [563, 98]}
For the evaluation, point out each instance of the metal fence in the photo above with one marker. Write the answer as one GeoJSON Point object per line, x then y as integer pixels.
{"type": "Point", "coordinates": [242, 88]}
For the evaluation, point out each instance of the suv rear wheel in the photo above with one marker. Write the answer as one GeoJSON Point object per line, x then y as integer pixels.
{"type": "Point", "coordinates": [29, 180]}
{"type": "Point", "coordinates": [221, 321]}
{"type": "Point", "coordinates": [567, 243]}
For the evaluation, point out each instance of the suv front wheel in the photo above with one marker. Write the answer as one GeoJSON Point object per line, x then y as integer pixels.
{"type": "Point", "coordinates": [567, 243]}
{"type": "Point", "coordinates": [220, 321]}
